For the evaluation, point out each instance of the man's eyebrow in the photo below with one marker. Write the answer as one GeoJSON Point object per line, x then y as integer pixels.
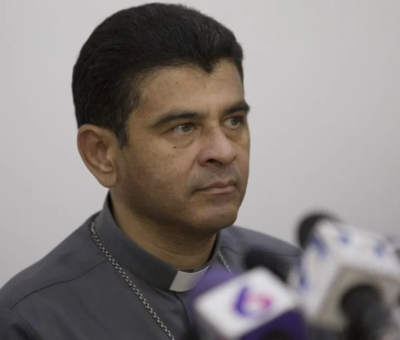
{"type": "Point", "coordinates": [238, 107]}
{"type": "Point", "coordinates": [174, 115]}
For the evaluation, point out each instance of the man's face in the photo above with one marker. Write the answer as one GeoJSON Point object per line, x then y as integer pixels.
{"type": "Point", "coordinates": [188, 160]}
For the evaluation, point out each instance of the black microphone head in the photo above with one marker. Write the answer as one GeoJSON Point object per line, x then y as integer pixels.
{"type": "Point", "coordinates": [273, 262]}
{"type": "Point", "coordinates": [308, 224]}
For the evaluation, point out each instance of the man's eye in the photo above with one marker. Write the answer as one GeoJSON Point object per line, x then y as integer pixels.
{"type": "Point", "coordinates": [235, 121]}
{"type": "Point", "coordinates": [183, 129]}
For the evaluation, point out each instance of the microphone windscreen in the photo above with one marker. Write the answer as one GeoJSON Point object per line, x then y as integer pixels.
{"type": "Point", "coordinates": [271, 261]}
{"type": "Point", "coordinates": [308, 224]}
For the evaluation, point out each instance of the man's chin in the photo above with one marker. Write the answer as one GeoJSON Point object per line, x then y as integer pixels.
{"type": "Point", "coordinates": [213, 222]}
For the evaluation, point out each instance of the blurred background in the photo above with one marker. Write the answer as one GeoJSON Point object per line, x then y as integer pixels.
{"type": "Point", "coordinates": [323, 80]}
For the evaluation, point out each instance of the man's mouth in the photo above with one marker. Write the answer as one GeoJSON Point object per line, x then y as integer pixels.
{"type": "Point", "coordinates": [220, 187]}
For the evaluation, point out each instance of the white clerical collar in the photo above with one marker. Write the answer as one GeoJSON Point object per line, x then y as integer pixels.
{"type": "Point", "coordinates": [185, 281]}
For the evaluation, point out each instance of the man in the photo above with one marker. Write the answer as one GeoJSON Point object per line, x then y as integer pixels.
{"type": "Point", "coordinates": [162, 117]}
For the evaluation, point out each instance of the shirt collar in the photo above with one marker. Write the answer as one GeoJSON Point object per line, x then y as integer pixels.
{"type": "Point", "coordinates": [141, 263]}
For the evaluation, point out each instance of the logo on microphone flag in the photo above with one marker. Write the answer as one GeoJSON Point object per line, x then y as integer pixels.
{"type": "Point", "coordinates": [251, 304]}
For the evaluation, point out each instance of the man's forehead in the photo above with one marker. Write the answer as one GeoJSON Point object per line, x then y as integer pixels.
{"type": "Point", "coordinates": [192, 88]}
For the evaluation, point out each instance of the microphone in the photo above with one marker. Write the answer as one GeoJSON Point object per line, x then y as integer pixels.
{"type": "Point", "coordinates": [394, 240]}
{"type": "Point", "coordinates": [212, 279]}
{"type": "Point", "coordinates": [253, 306]}
{"type": "Point", "coordinates": [259, 257]}
{"type": "Point", "coordinates": [348, 279]}
{"type": "Point", "coordinates": [281, 267]}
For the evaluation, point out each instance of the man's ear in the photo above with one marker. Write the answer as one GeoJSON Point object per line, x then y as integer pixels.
{"type": "Point", "coordinates": [97, 147]}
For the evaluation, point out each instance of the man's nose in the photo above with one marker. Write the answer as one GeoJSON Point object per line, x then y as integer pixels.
{"type": "Point", "coordinates": [217, 149]}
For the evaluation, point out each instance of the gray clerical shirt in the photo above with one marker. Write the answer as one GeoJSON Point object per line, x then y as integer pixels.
{"type": "Point", "coordinates": [74, 293]}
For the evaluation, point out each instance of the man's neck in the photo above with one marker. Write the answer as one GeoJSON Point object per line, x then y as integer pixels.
{"type": "Point", "coordinates": [180, 249]}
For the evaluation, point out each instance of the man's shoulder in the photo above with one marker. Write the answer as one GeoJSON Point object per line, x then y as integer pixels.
{"type": "Point", "coordinates": [71, 259]}
{"type": "Point", "coordinates": [238, 242]}
{"type": "Point", "coordinates": [241, 239]}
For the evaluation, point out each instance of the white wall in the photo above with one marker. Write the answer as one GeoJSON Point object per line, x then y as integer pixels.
{"type": "Point", "coordinates": [323, 80]}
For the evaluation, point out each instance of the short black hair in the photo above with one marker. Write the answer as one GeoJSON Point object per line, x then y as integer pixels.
{"type": "Point", "coordinates": [130, 44]}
